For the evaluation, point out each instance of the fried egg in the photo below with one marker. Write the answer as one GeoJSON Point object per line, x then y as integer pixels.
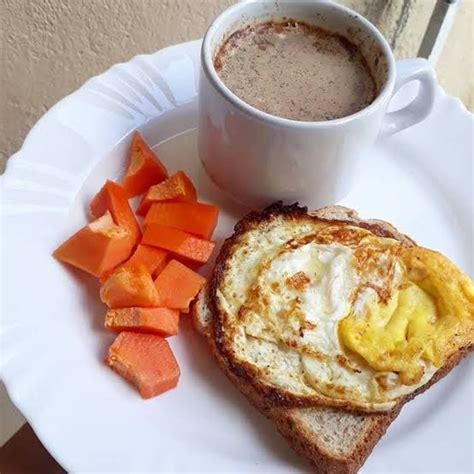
{"type": "Point", "coordinates": [333, 313]}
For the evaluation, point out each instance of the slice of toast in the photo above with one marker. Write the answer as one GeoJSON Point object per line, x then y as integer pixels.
{"type": "Point", "coordinates": [331, 439]}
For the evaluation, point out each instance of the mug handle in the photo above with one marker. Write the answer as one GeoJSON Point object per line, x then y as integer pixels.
{"type": "Point", "coordinates": [412, 70]}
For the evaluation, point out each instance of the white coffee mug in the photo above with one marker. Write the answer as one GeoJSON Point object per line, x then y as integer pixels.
{"type": "Point", "coordinates": [258, 158]}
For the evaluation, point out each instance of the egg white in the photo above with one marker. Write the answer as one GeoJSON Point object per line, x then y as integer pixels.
{"type": "Point", "coordinates": [290, 334]}
{"type": "Point", "coordinates": [296, 292]}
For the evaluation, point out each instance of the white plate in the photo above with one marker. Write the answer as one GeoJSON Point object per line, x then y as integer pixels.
{"type": "Point", "coordinates": [52, 341]}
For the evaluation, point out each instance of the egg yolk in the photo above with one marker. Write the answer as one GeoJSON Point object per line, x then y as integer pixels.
{"type": "Point", "coordinates": [428, 318]}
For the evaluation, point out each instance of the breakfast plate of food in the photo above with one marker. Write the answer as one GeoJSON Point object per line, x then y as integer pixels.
{"type": "Point", "coordinates": [168, 309]}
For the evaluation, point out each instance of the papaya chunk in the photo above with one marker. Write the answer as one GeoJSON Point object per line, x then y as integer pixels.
{"type": "Point", "coordinates": [193, 217]}
{"type": "Point", "coordinates": [177, 285]}
{"type": "Point", "coordinates": [189, 247]}
{"type": "Point", "coordinates": [146, 361]}
{"type": "Point", "coordinates": [177, 188]}
{"type": "Point", "coordinates": [112, 197]}
{"type": "Point", "coordinates": [97, 248]}
{"type": "Point", "coordinates": [144, 170]}
{"type": "Point", "coordinates": [152, 258]}
{"type": "Point", "coordinates": [162, 321]}
{"type": "Point", "coordinates": [128, 287]}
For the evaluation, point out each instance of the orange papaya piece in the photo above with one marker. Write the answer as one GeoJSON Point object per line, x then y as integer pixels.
{"type": "Point", "coordinates": [177, 188]}
{"type": "Point", "coordinates": [112, 197]}
{"type": "Point", "coordinates": [128, 287]}
{"type": "Point", "coordinates": [145, 168]}
{"type": "Point", "coordinates": [152, 258]}
{"type": "Point", "coordinates": [97, 248]}
{"type": "Point", "coordinates": [162, 321]}
{"type": "Point", "coordinates": [193, 217]}
{"type": "Point", "coordinates": [177, 285]}
{"type": "Point", "coordinates": [146, 361]}
{"type": "Point", "coordinates": [192, 249]}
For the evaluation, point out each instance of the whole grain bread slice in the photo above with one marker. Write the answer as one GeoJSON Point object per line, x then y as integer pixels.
{"type": "Point", "coordinates": [331, 439]}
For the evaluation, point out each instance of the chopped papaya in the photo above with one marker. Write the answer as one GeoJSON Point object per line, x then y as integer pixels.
{"type": "Point", "coordinates": [162, 321]}
{"type": "Point", "coordinates": [98, 247]}
{"type": "Point", "coordinates": [128, 287]}
{"type": "Point", "coordinates": [177, 188]}
{"type": "Point", "coordinates": [112, 197]}
{"type": "Point", "coordinates": [193, 217]}
{"type": "Point", "coordinates": [189, 247]}
{"type": "Point", "coordinates": [177, 285]}
{"type": "Point", "coordinates": [144, 170]}
{"type": "Point", "coordinates": [145, 360]}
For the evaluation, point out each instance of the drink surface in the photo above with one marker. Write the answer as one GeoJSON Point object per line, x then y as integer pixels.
{"type": "Point", "coordinates": [296, 71]}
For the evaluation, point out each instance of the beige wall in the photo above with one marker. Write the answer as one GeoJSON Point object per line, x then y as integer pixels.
{"type": "Point", "coordinates": [455, 67]}
{"type": "Point", "coordinates": [50, 47]}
